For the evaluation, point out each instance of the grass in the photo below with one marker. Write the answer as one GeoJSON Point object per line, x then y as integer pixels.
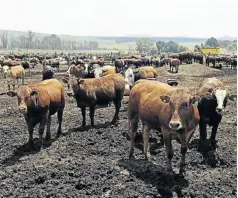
{"type": "Point", "coordinates": [107, 46]}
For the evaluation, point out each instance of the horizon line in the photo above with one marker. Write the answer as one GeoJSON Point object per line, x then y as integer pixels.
{"type": "Point", "coordinates": [60, 34]}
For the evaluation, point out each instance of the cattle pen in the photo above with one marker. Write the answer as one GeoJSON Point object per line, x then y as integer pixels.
{"type": "Point", "coordinates": [94, 162]}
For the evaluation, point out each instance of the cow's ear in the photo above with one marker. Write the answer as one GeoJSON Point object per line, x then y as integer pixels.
{"type": "Point", "coordinates": [232, 97]}
{"type": "Point", "coordinates": [104, 72]}
{"type": "Point", "coordinates": [65, 81]}
{"type": "Point", "coordinates": [195, 100]}
{"type": "Point", "coordinates": [34, 94]}
{"type": "Point", "coordinates": [11, 93]}
{"type": "Point", "coordinates": [135, 71]}
{"type": "Point", "coordinates": [207, 95]}
{"type": "Point", "coordinates": [80, 81]}
{"type": "Point", "coordinates": [165, 98]}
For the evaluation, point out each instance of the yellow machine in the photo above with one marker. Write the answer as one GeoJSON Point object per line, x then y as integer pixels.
{"type": "Point", "coordinates": [210, 50]}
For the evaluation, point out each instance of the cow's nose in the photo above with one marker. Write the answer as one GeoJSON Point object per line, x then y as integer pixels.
{"type": "Point", "coordinates": [175, 125]}
{"type": "Point", "coordinates": [22, 109]}
{"type": "Point", "coordinates": [70, 93]}
{"type": "Point", "coordinates": [219, 110]}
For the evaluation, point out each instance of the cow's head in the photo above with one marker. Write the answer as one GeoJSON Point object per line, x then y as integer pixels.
{"type": "Point", "coordinates": [130, 76]}
{"type": "Point", "coordinates": [220, 96]}
{"type": "Point", "coordinates": [5, 70]}
{"type": "Point", "coordinates": [26, 97]}
{"type": "Point", "coordinates": [180, 107]}
{"type": "Point", "coordinates": [73, 84]}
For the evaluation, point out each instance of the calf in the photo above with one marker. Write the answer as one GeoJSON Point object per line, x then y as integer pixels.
{"type": "Point", "coordinates": [38, 102]}
{"type": "Point", "coordinates": [213, 100]}
{"type": "Point", "coordinates": [77, 71]}
{"type": "Point", "coordinates": [174, 63]}
{"type": "Point", "coordinates": [97, 91]}
{"type": "Point", "coordinates": [132, 75]}
{"type": "Point", "coordinates": [13, 74]}
{"type": "Point", "coordinates": [164, 108]}
{"type": "Point", "coordinates": [103, 71]}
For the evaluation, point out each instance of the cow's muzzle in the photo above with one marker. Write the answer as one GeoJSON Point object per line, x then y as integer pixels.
{"type": "Point", "coordinates": [22, 109]}
{"type": "Point", "coordinates": [70, 93]}
{"type": "Point", "coordinates": [175, 125]}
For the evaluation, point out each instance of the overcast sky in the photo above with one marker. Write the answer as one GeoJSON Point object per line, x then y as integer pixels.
{"type": "Point", "coordinates": [192, 18]}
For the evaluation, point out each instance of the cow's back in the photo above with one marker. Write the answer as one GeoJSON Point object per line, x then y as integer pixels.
{"type": "Point", "coordinates": [145, 99]}
{"type": "Point", "coordinates": [54, 89]}
{"type": "Point", "coordinates": [17, 71]}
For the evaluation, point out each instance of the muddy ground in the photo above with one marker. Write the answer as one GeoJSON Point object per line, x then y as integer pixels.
{"type": "Point", "coordinates": [94, 162]}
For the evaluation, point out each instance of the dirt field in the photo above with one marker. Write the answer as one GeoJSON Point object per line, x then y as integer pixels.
{"type": "Point", "coordinates": [94, 162]}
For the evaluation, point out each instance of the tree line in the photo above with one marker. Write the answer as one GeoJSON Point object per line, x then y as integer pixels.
{"type": "Point", "coordinates": [53, 42]}
{"type": "Point", "coordinates": [147, 45]}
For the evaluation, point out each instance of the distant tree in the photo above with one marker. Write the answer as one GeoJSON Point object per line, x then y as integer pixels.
{"type": "Point", "coordinates": [212, 42]}
{"type": "Point", "coordinates": [144, 45]}
{"type": "Point", "coordinates": [22, 41]}
{"type": "Point", "coordinates": [172, 47]}
{"type": "Point", "coordinates": [4, 38]}
{"type": "Point", "coordinates": [161, 46]}
{"type": "Point", "coordinates": [183, 48]}
{"type": "Point", "coordinates": [30, 37]}
{"type": "Point", "coordinates": [197, 48]}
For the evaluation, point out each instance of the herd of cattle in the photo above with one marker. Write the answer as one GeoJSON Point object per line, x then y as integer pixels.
{"type": "Point", "coordinates": [154, 101]}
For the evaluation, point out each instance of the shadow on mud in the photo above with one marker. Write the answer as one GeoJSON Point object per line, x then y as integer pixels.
{"type": "Point", "coordinates": [154, 144]}
{"type": "Point", "coordinates": [156, 176]}
{"type": "Point", "coordinates": [87, 128]}
{"type": "Point", "coordinates": [210, 156]}
{"type": "Point", "coordinates": [25, 150]}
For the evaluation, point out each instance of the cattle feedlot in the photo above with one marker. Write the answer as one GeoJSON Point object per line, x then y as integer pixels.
{"type": "Point", "coordinates": [94, 161]}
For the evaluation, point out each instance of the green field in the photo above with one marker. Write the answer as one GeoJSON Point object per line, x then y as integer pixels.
{"type": "Point", "coordinates": [106, 44]}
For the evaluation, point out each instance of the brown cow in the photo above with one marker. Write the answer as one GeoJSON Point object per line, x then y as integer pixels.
{"type": "Point", "coordinates": [97, 91]}
{"type": "Point", "coordinates": [77, 71]}
{"type": "Point", "coordinates": [162, 107]}
{"type": "Point", "coordinates": [174, 63]}
{"type": "Point", "coordinates": [38, 102]}
{"type": "Point", "coordinates": [13, 74]}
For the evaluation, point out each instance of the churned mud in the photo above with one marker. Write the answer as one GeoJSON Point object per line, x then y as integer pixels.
{"type": "Point", "coordinates": [94, 162]}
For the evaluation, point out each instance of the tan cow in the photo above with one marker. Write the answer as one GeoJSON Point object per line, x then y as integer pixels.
{"type": "Point", "coordinates": [12, 75]}
{"type": "Point", "coordinates": [164, 108]}
{"type": "Point", "coordinates": [38, 102]}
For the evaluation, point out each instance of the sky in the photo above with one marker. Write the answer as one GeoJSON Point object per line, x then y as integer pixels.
{"type": "Point", "coordinates": [189, 18]}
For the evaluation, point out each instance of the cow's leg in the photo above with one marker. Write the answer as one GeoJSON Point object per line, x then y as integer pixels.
{"type": "Point", "coordinates": [42, 128]}
{"type": "Point", "coordinates": [13, 83]}
{"type": "Point", "coordinates": [213, 136]}
{"type": "Point", "coordinates": [203, 130]}
{"type": "Point", "coordinates": [60, 119]}
{"type": "Point", "coordinates": [48, 134]}
{"type": "Point", "coordinates": [169, 152]}
{"type": "Point", "coordinates": [134, 125]}
{"type": "Point", "coordinates": [146, 131]}
{"type": "Point", "coordinates": [117, 104]}
{"type": "Point", "coordinates": [92, 111]}
{"type": "Point", "coordinates": [203, 133]}
{"type": "Point", "coordinates": [83, 109]}
{"type": "Point", "coordinates": [183, 151]}
{"type": "Point", "coordinates": [30, 130]}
